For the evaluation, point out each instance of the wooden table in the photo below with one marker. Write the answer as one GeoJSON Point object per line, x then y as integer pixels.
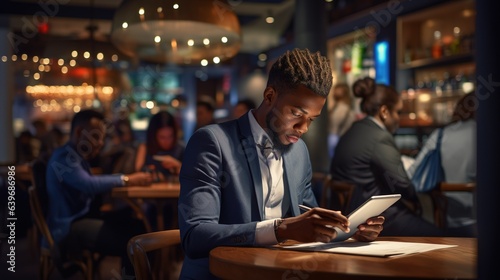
{"type": "Point", "coordinates": [158, 193]}
{"type": "Point", "coordinates": [270, 263]}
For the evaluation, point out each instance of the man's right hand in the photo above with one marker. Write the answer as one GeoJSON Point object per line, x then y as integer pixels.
{"type": "Point", "coordinates": [140, 179]}
{"type": "Point", "coordinates": [312, 226]}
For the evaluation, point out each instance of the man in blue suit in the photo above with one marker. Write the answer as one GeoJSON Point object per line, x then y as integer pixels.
{"type": "Point", "coordinates": [71, 189]}
{"type": "Point", "coordinates": [242, 181]}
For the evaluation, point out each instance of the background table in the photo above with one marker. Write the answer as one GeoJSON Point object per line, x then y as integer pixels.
{"type": "Point", "coordinates": [270, 263]}
{"type": "Point", "coordinates": [159, 193]}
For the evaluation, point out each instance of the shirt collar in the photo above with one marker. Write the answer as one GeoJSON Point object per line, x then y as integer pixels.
{"type": "Point", "coordinates": [259, 134]}
{"type": "Point", "coordinates": [377, 122]}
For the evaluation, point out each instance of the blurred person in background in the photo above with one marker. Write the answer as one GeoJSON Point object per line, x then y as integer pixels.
{"type": "Point", "coordinates": [205, 108]}
{"type": "Point", "coordinates": [368, 157]}
{"type": "Point", "coordinates": [242, 107]}
{"type": "Point", "coordinates": [71, 188]}
{"type": "Point", "coordinates": [341, 116]}
{"type": "Point", "coordinates": [162, 156]}
{"type": "Point", "coordinates": [458, 159]}
{"type": "Point", "coordinates": [119, 153]}
{"type": "Point", "coordinates": [163, 150]}
{"type": "Point", "coordinates": [24, 148]}
{"type": "Point", "coordinates": [41, 129]}
{"type": "Point", "coordinates": [52, 140]}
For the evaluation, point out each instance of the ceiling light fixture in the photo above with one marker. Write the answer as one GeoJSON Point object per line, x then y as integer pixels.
{"type": "Point", "coordinates": [180, 32]}
{"type": "Point", "coordinates": [270, 17]}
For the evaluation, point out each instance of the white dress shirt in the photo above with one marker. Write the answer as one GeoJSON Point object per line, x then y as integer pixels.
{"type": "Point", "coordinates": [272, 186]}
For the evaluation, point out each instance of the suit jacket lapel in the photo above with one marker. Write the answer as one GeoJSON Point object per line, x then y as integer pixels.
{"type": "Point", "coordinates": [250, 150]}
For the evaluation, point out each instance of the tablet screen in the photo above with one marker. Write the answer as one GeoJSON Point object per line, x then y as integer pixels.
{"type": "Point", "coordinates": [374, 206]}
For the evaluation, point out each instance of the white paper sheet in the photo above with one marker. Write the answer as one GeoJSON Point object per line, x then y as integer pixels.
{"type": "Point", "coordinates": [375, 248]}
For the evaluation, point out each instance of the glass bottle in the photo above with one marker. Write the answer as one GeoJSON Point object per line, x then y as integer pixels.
{"type": "Point", "coordinates": [437, 47]}
{"type": "Point", "coordinates": [455, 44]}
{"type": "Point", "coordinates": [448, 85]}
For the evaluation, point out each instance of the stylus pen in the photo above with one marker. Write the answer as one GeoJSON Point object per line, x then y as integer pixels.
{"type": "Point", "coordinates": [304, 208]}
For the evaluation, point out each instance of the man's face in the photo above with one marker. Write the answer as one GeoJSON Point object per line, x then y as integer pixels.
{"type": "Point", "coordinates": [90, 139]}
{"type": "Point", "coordinates": [291, 114]}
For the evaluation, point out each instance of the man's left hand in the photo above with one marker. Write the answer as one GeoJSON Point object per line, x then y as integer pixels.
{"type": "Point", "coordinates": [370, 230]}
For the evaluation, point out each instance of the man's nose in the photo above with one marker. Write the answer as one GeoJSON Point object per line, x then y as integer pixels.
{"type": "Point", "coordinates": [302, 127]}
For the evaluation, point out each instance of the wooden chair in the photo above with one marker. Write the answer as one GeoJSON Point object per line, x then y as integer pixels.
{"type": "Point", "coordinates": [140, 245]}
{"type": "Point", "coordinates": [46, 260]}
{"type": "Point", "coordinates": [440, 201]}
{"type": "Point", "coordinates": [336, 195]}
{"type": "Point", "coordinates": [38, 202]}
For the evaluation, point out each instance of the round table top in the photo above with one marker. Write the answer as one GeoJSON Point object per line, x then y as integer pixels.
{"type": "Point", "coordinates": [273, 263]}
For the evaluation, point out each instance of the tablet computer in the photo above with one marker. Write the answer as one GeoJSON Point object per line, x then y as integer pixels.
{"type": "Point", "coordinates": [374, 206]}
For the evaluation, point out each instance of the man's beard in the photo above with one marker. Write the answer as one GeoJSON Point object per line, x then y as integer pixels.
{"type": "Point", "coordinates": [271, 131]}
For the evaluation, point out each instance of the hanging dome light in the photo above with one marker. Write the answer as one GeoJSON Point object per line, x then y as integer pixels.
{"type": "Point", "coordinates": [176, 31]}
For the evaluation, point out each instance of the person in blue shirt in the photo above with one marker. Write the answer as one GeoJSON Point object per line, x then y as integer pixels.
{"type": "Point", "coordinates": [71, 188]}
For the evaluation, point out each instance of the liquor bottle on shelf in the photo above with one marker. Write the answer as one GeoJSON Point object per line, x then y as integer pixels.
{"type": "Point", "coordinates": [357, 57]}
{"type": "Point", "coordinates": [439, 87]}
{"type": "Point", "coordinates": [368, 60]}
{"type": "Point", "coordinates": [427, 83]}
{"type": "Point", "coordinates": [408, 55]}
{"type": "Point", "coordinates": [437, 47]}
{"type": "Point", "coordinates": [459, 81]}
{"type": "Point", "coordinates": [455, 44]}
{"type": "Point", "coordinates": [467, 44]}
{"type": "Point", "coordinates": [434, 87]}
{"type": "Point", "coordinates": [448, 85]}
{"type": "Point", "coordinates": [420, 84]}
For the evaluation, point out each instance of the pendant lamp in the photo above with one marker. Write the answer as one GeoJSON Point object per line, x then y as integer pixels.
{"type": "Point", "coordinates": [177, 31]}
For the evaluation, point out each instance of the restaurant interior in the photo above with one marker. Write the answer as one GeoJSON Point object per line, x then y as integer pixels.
{"type": "Point", "coordinates": [132, 59]}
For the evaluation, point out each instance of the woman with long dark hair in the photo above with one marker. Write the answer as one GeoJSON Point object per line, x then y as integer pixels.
{"type": "Point", "coordinates": [163, 151]}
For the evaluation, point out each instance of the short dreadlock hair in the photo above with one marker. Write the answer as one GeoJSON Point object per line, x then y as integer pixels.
{"type": "Point", "coordinates": [301, 67]}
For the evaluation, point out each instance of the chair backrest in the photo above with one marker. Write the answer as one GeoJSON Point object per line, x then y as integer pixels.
{"type": "Point", "coordinates": [336, 195]}
{"type": "Point", "coordinates": [38, 178]}
{"type": "Point", "coordinates": [138, 247]}
{"type": "Point", "coordinates": [440, 201]}
{"type": "Point", "coordinates": [38, 198]}
{"type": "Point", "coordinates": [39, 216]}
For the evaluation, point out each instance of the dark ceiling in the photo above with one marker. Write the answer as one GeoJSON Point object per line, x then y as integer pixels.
{"type": "Point", "coordinates": [70, 18]}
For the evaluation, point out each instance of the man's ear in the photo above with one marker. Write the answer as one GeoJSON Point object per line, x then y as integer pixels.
{"type": "Point", "coordinates": [269, 95]}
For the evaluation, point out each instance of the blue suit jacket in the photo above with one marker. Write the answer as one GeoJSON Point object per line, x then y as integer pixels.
{"type": "Point", "coordinates": [221, 200]}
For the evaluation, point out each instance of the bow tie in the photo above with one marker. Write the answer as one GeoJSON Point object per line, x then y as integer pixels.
{"type": "Point", "coordinates": [267, 148]}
